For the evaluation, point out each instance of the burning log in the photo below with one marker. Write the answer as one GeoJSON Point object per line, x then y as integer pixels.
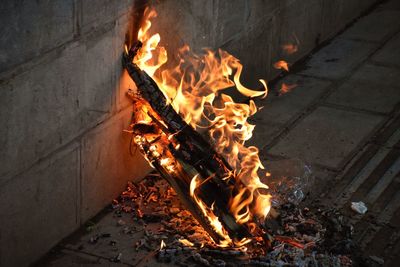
{"type": "Point", "coordinates": [184, 158]}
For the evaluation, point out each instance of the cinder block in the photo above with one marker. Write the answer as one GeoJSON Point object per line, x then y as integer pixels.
{"type": "Point", "coordinates": [32, 27]}
{"type": "Point", "coordinates": [327, 136]}
{"type": "Point", "coordinates": [337, 14]}
{"type": "Point", "coordinates": [299, 23]}
{"type": "Point", "coordinates": [57, 100]}
{"type": "Point", "coordinates": [259, 11]}
{"type": "Point", "coordinates": [229, 20]}
{"type": "Point", "coordinates": [374, 27]}
{"type": "Point", "coordinates": [337, 60]}
{"type": "Point", "coordinates": [95, 13]}
{"type": "Point", "coordinates": [107, 164]}
{"type": "Point", "coordinates": [185, 22]}
{"type": "Point", "coordinates": [40, 110]}
{"type": "Point", "coordinates": [331, 20]}
{"type": "Point", "coordinates": [38, 208]}
{"type": "Point", "coordinates": [253, 49]}
{"type": "Point", "coordinates": [124, 82]}
{"type": "Point", "coordinates": [390, 53]}
{"type": "Point", "coordinates": [100, 70]}
{"type": "Point", "coordinates": [372, 88]}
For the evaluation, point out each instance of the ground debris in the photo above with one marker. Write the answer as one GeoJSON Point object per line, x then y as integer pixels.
{"type": "Point", "coordinates": [300, 236]}
{"type": "Point", "coordinates": [359, 207]}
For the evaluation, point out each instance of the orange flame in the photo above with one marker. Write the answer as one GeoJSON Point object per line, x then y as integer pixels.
{"type": "Point", "coordinates": [194, 88]}
{"type": "Point", "coordinates": [290, 48]}
{"type": "Point", "coordinates": [186, 242]}
{"type": "Point", "coordinates": [212, 218]}
{"type": "Point", "coordinates": [281, 64]}
{"type": "Point", "coordinates": [286, 88]}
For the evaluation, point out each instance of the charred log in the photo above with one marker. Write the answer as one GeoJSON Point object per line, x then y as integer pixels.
{"type": "Point", "coordinates": [195, 157]}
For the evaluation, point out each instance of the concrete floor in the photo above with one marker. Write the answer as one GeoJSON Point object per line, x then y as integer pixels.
{"type": "Point", "coordinates": [343, 118]}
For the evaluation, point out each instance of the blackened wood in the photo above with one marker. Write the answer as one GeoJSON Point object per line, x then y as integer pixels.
{"type": "Point", "coordinates": [195, 152]}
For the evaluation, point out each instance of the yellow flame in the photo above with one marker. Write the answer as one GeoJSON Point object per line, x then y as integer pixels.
{"type": "Point", "coordinates": [194, 88]}
{"type": "Point", "coordinates": [162, 245]}
{"type": "Point", "coordinates": [186, 242]}
{"type": "Point", "coordinates": [208, 212]}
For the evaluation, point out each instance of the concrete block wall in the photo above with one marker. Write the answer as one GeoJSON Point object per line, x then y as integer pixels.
{"type": "Point", "coordinates": [63, 154]}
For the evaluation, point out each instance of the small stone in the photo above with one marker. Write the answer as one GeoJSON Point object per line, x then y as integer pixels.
{"type": "Point", "coordinates": [219, 263]}
{"type": "Point", "coordinates": [116, 258]}
{"type": "Point", "coordinates": [121, 222]}
{"type": "Point", "coordinates": [359, 207]}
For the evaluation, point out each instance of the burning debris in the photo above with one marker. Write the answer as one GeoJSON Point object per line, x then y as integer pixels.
{"type": "Point", "coordinates": [194, 135]}
{"type": "Point", "coordinates": [298, 236]}
{"type": "Point", "coordinates": [214, 173]}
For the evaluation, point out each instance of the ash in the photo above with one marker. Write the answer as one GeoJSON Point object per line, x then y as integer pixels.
{"type": "Point", "coordinates": [300, 236]}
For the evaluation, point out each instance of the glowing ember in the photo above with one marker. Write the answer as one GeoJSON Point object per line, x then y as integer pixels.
{"type": "Point", "coordinates": [286, 88]}
{"type": "Point", "coordinates": [281, 64]}
{"type": "Point", "coordinates": [194, 88]}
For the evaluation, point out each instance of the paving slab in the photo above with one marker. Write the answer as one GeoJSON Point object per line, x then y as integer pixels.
{"type": "Point", "coordinates": [381, 75]}
{"type": "Point", "coordinates": [337, 60]}
{"type": "Point", "coordinates": [68, 258]}
{"type": "Point", "coordinates": [372, 88]}
{"type": "Point", "coordinates": [263, 133]}
{"type": "Point", "coordinates": [109, 237]}
{"type": "Point", "coordinates": [326, 137]}
{"type": "Point", "coordinates": [279, 107]}
{"type": "Point", "coordinates": [390, 53]}
{"type": "Point", "coordinates": [376, 27]}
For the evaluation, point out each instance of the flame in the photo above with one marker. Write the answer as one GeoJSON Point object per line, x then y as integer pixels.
{"type": "Point", "coordinates": [208, 212]}
{"type": "Point", "coordinates": [162, 245]}
{"type": "Point", "coordinates": [290, 48]}
{"type": "Point", "coordinates": [194, 87]}
{"type": "Point", "coordinates": [281, 64]}
{"type": "Point", "coordinates": [186, 242]}
{"type": "Point", "coordinates": [286, 88]}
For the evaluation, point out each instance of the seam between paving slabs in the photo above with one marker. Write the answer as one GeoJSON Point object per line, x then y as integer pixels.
{"type": "Point", "coordinates": [356, 164]}
{"type": "Point", "coordinates": [319, 101]}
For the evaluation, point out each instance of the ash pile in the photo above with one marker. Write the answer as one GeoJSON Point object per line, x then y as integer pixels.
{"type": "Point", "coordinates": [299, 235]}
